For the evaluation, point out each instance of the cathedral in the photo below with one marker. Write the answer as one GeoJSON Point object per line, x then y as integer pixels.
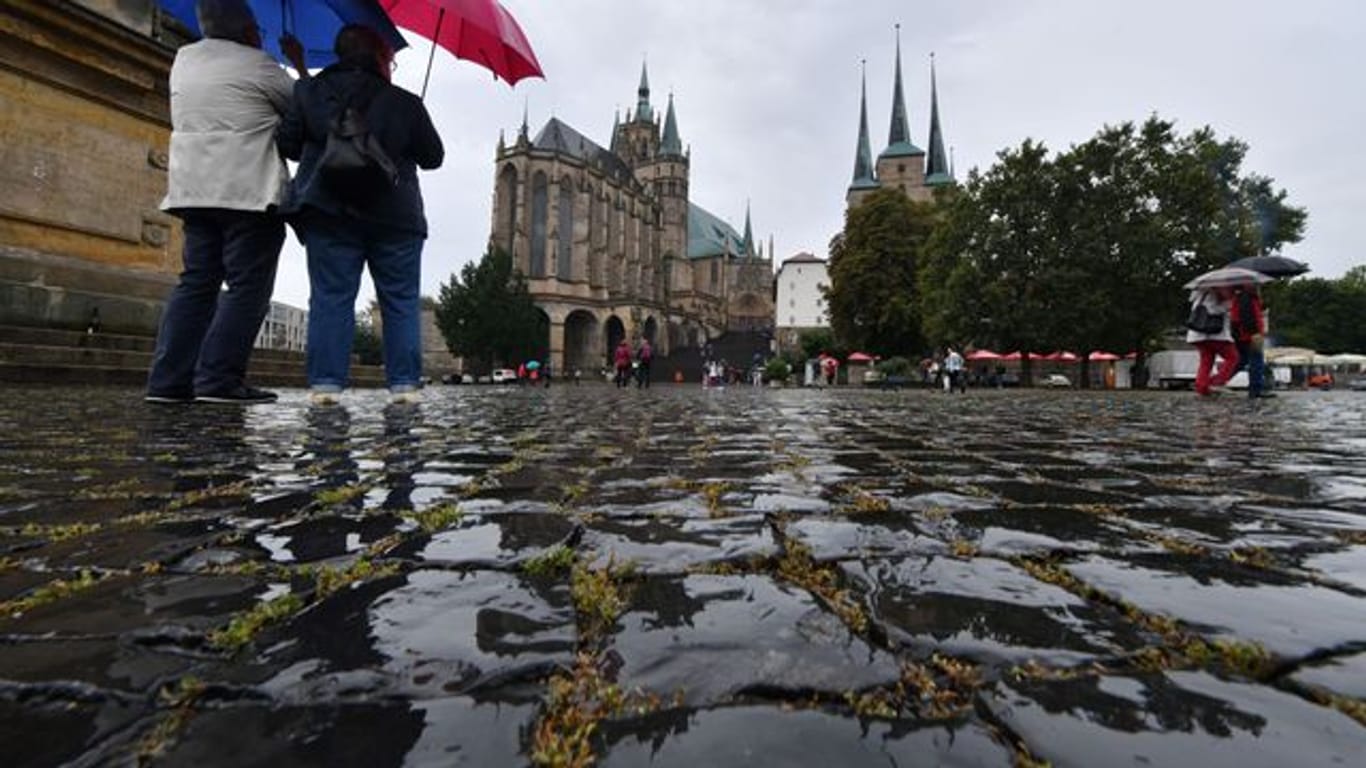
{"type": "Point", "coordinates": [612, 245]}
{"type": "Point", "coordinates": [902, 165]}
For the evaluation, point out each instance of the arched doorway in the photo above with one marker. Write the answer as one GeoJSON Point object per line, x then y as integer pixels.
{"type": "Point", "coordinates": [580, 342]}
{"type": "Point", "coordinates": [614, 332]}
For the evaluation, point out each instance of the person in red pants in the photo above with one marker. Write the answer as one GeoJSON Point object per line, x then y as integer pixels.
{"type": "Point", "coordinates": [1217, 302]}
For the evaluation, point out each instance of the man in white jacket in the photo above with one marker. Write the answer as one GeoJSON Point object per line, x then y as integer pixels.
{"type": "Point", "coordinates": [226, 181]}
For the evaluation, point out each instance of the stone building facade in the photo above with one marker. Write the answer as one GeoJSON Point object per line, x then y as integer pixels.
{"type": "Point", "coordinates": [84, 131]}
{"type": "Point", "coordinates": [902, 165]}
{"type": "Point", "coordinates": [612, 245]}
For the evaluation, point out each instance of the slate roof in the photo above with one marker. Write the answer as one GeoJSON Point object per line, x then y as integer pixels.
{"type": "Point", "coordinates": [558, 136]}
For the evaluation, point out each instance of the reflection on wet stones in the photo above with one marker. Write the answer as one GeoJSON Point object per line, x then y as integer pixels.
{"type": "Point", "coordinates": [803, 577]}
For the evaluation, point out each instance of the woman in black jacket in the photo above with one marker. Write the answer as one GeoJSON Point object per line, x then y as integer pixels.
{"type": "Point", "coordinates": [344, 229]}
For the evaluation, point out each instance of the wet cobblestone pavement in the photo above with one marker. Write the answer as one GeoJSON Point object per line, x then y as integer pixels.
{"type": "Point", "coordinates": [680, 577]}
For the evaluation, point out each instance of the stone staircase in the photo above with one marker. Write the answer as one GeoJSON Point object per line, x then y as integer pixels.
{"type": "Point", "coordinates": [52, 356]}
{"type": "Point", "coordinates": [736, 348]}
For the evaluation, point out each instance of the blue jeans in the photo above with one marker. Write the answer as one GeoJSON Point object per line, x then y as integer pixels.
{"type": "Point", "coordinates": [206, 334]}
{"type": "Point", "coordinates": [338, 249]}
{"type": "Point", "coordinates": [1254, 358]}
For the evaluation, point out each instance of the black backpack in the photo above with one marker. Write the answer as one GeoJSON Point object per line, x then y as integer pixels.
{"type": "Point", "coordinates": [354, 168]}
{"type": "Point", "coordinates": [1201, 320]}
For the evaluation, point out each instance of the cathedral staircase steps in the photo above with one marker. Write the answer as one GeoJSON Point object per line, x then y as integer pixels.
{"type": "Point", "coordinates": [737, 348]}
{"type": "Point", "coordinates": [52, 356]}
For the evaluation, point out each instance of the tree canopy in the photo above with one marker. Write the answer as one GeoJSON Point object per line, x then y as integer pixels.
{"type": "Point", "coordinates": [1088, 249]}
{"type": "Point", "coordinates": [1324, 315]}
{"type": "Point", "coordinates": [872, 297]}
{"type": "Point", "coordinates": [487, 315]}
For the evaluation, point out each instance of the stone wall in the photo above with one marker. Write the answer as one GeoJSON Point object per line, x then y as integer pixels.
{"type": "Point", "coordinates": [84, 128]}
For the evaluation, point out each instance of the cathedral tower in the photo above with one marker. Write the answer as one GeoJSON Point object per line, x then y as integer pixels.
{"type": "Point", "coordinates": [637, 140]}
{"type": "Point", "coordinates": [864, 182]}
{"type": "Point", "coordinates": [902, 164]}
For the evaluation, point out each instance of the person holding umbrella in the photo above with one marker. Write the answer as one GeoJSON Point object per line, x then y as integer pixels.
{"type": "Point", "coordinates": [1248, 321]}
{"type": "Point", "coordinates": [1213, 339]}
{"type": "Point", "coordinates": [225, 182]}
{"type": "Point", "coordinates": [346, 227]}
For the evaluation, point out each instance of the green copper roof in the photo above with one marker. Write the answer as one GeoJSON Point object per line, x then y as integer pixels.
{"type": "Point", "coordinates": [671, 145]}
{"type": "Point", "coordinates": [937, 164]}
{"type": "Point", "coordinates": [939, 179]}
{"type": "Point", "coordinates": [863, 158]}
{"type": "Point", "coordinates": [899, 136]}
{"type": "Point", "coordinates": [643, 109]}
{"type": "Point", "coordinates": [708, 235]}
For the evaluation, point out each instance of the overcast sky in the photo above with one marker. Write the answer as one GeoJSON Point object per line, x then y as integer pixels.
{"type": "Point", "coordinates": [767, 98]}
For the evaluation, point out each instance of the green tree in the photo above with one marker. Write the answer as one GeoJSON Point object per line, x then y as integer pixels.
{"type": "Point", "coordinates": [487, 315]}
{"type": "Point", "coordinates": [1324, 315]}
{"type": "Point", "coordinates": [872, 297]}
{"type": "Point", "coordinates": [817, 340]}
{"type": "Point", "coordinates": [986, 275]}
{"type": "Point", "coordinates": [367, 346]}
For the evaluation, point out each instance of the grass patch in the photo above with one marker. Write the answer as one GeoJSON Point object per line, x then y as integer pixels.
{"type": "Point", "coordinates": [597, 595]}
{"type": "Point", "coordinates": [51, 592]}
{"type": "Point", "coordinates": [712, 493]}
{"type": "Point", "coordinates": [439, 517]}
{"type": "Point", "coordinates": [557, 559]}
{"type": "Point", "coordinates": [179, 699]}
{"type": "Point", "coordinates": [55, 533]}
{"type": "Point", "coordinates": [799, 567]}
{"type": "Point", "coordinates": [244, 627]}
{"type": "Point", "coordinates": [578, 700]}
{"type": "Point", "coordinates": [328, 581]}
{"type": "Point", "coordinates": [209, 493]}
{"type": "Point", "coordinates": [332, 497]}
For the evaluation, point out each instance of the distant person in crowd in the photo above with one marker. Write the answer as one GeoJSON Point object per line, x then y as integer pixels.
{"type": "Point", "coordinates": [953, 371]}
{"type": "Point", "coordinates": [1218, 302]}
{"type": "Point", "coordinates": [346, 227]}
{"type": "Point", "coordinates": [1248, 321]}
{"type": "Point", "coordinates": [621, 359]}
{"type": "Point", "coordinates": [831, 368]}
{"type": "Point", "coordinates": [225, 182]}
{"type": "Point", "coordinates": [578, 375]}
{"type": "Point", "coordinates": [645, 355]}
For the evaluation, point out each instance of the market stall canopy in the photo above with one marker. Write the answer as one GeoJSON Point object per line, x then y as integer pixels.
{"type": "Point", "coordinates": [860, 357]}
{"type": "Point", "coordinates": [982, 354]}
{"type": "Point", "coordinates": [1290, 355]}
{"type": "Point", "coordinates": [1102, 357]}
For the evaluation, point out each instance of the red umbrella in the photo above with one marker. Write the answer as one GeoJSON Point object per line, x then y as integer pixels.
{"type": "Point", "coordinates": [982, 354]}
{"type": "Point", "coordinates": [1102, 357]}
{"type": "Point", "coordinates": [859, 357]}
{"type": "Point", "coordinates": [481, 31]}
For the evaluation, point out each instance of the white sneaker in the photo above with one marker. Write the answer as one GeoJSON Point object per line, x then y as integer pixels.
{"type": "Point", "coordinates": [405, 396]}
{"type": "Point", "coordinates": [324, 397]}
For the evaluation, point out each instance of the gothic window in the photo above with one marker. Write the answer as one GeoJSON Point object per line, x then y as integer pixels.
{"type": "Point", "coordinates": [900, 167]}
{"type": "Point", "coordinates": [594, 237]}
{"type": "Point", "coordinates": [507, 216]}
{"type": "Point", "coordinates": [564, 262]}
{"type": "Point", "coordinates": [715, 275]}
{"type": "Point", "coordinates": [539, 213]}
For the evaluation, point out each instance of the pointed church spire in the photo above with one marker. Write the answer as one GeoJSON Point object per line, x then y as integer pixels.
{"type": "Point", "coordinates": [671, 145]}
{"type": "Point", "coordinates": [863, 158]}
{"type": "Point", "coordinates": [747, 248]}
{"type": "Point", "coordinates": [644, 112]}
{"type": "Point", "coordinates": [899, 135]}
{"type": "Point", "coordinates": [524, 132]}
{"type": "Point", "coordinates": [616, 128]}
{"type": "Point", "coordinates": [937, 169]}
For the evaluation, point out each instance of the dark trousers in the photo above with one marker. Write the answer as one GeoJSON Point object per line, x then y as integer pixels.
{"type": "Point", "coordinates": [1251, 357]}
{"type": "Point", "coordinates": [643, 375]}
{"type": "Point", "coordinates": [207, 334]}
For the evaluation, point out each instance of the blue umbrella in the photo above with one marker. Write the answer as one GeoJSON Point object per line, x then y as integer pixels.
{"type": "Point", "coordinates": [314, 22]}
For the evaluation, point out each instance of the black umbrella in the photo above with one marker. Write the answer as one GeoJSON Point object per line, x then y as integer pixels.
{"type": "Point", "coordinates": [1272, 266]}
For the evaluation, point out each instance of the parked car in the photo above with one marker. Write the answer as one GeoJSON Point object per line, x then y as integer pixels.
{"type": "Point", "coordinates": [1357, 384]}
{"type": "Point", "coordinates": [504, 376]}
{"type": "Point", "coordinates": [1056, 381]}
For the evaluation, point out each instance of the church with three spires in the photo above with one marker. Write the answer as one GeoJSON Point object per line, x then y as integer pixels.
{"type": "Point", "coordinates": [613, 246]}
{"type": "Point", "coordinates": [902, 165]}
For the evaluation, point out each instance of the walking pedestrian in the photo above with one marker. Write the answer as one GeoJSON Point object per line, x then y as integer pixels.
{"type": "Point", "coordinates": [1211, 344]}
{"type": "Point", "coordinates": [953, 371]}
{"type": "Point", "coordinates": [621, 358]}
{"type": "Point", "coordinates": [1248, 321]}
{"type": "Point", "coordinates": [644, 356]}
{"type": "Point", "coordinates": [225, 182]}
{"type": "Point", "coordinates": [347, 227]}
